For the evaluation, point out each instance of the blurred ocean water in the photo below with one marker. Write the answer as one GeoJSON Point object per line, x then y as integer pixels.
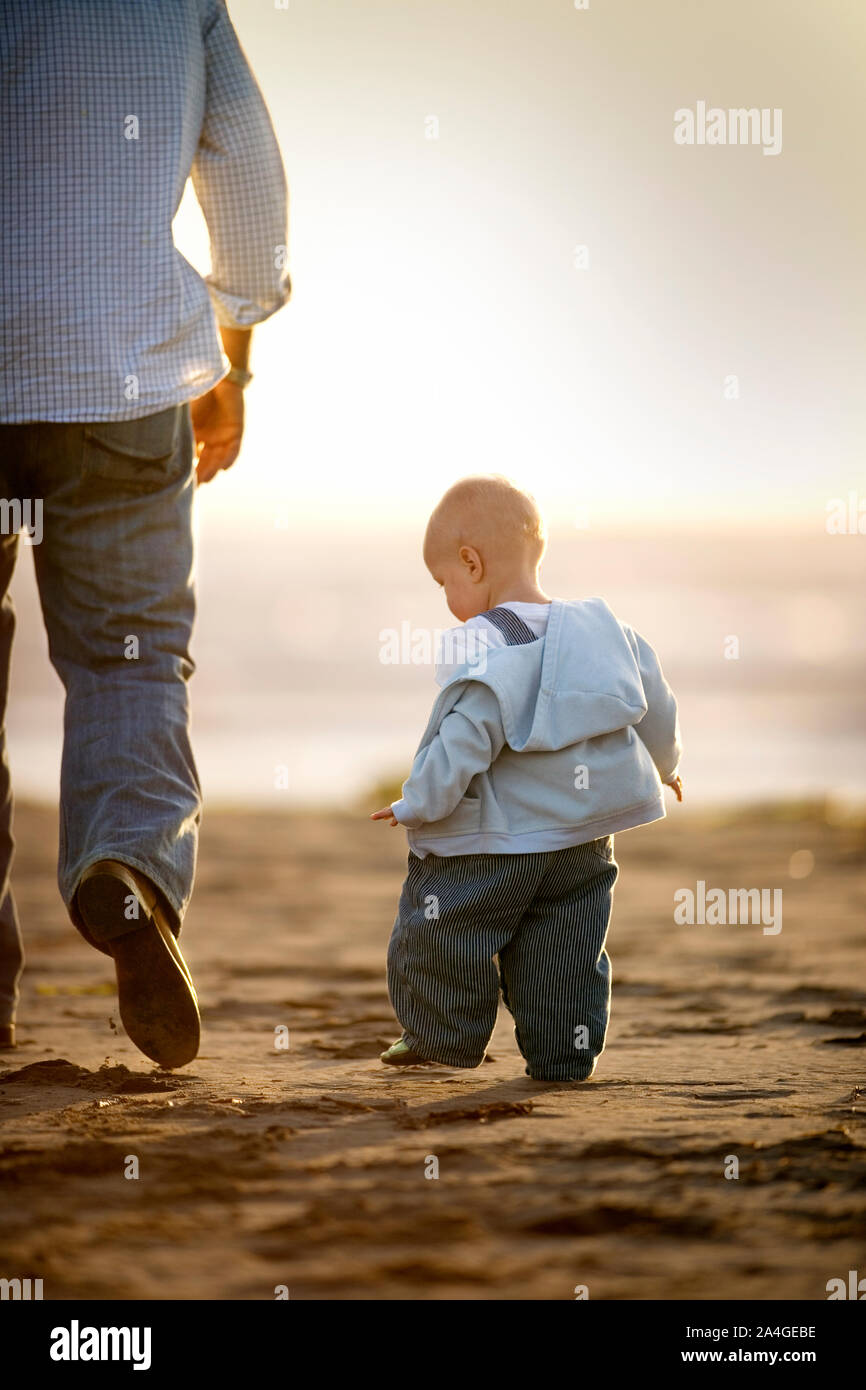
{"type": "Point", "coordinates": [294, 700]}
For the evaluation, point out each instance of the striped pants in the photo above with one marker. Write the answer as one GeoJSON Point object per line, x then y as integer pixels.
{"type": "Point", "coordinates": [545, 916]}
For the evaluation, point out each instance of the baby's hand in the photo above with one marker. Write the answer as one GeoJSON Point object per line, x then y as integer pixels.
{"type": "Point", "coordinates": [385, 814]}
{"type": "Point", "coordinates": [677, 784]}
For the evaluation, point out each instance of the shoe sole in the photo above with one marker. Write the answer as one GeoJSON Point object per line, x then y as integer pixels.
{"type": "Point", "coordinates": [156, 996]}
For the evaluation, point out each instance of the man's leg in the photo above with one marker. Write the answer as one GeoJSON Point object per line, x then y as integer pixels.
{"type": "Point", "coordinates": [115, 580]}
{"type": "Point", "coordinates": [555, 970]}
{"type": "Point", "coordinates": [11, 947]}
{"type": "Point", "coordinates": [455, 913]}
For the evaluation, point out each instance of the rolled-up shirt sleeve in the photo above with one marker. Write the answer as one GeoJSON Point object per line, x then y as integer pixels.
{"type": "Point", "coordinates": [240, 183]}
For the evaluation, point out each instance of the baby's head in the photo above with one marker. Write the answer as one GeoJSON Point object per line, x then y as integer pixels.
{"type": "Point", "coordinates": [484, 544]}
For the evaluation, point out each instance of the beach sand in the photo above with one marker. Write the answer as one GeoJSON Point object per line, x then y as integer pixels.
{"type": "Point", "coordinates": [305, 1167]}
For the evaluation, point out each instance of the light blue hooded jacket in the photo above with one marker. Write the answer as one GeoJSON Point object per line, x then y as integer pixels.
{"type": "Point", "coordinates": [552, 743]}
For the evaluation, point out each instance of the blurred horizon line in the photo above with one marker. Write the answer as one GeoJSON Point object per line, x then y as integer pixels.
{"type": "Point", "coordinates": [833, 807]}
{"type": "Point", "coordinates": [799, 525]}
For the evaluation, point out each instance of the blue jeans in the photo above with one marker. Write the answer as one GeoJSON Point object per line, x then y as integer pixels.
{"type": "Point", "coordinates": [114, 568]}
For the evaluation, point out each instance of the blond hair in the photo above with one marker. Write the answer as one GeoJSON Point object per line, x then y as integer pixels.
{"type": "Point", "coordinates": [489, 512]}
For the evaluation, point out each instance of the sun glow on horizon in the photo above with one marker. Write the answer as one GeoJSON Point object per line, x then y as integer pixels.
{"type": "Point", "coordinates": [550, 288]}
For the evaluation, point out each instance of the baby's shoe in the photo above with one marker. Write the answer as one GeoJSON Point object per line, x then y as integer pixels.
{"type": "Point", "coordinates": [400, 1054]}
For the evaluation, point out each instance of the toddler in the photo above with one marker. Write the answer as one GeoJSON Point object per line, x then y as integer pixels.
{"type": "Point", "coordinates": [553, 729]}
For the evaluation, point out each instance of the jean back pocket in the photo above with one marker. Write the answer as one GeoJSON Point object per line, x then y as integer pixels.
{"type": "Point", "coordinates": [145, 453]}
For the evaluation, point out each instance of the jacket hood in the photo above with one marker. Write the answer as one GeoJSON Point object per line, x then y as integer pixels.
{"type": "Point", "coordinates": [579, 681]}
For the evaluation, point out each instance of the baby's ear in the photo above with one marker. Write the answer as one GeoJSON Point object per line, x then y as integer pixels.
{"type": "Point", "coordinates": [472, 562]}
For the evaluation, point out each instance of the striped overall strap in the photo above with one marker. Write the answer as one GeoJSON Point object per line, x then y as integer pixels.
{"type": "Point", "coordinates": [513, 629]}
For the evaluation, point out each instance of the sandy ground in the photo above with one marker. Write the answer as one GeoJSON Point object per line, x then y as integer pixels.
{"type": "Point", "coordinates": [306, 1167]}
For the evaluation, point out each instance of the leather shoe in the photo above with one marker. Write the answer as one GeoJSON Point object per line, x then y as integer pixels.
{"type": "Point", "coordinates": [157, 1000]}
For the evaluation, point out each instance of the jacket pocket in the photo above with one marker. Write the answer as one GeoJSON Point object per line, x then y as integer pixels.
{"type": "Point", "coordinates": [465, 818]}
{"type": "Point", "coordinates": [143, 454]}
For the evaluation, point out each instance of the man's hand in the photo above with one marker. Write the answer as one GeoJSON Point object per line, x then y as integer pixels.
{"type": "Point", "coordinates": [677, 784]}
{"type": "Point", "coordinates": [385, 814]}
{"type": "Point", "coordinates": [218, 425]}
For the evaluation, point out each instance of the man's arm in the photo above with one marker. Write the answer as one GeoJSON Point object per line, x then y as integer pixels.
{"type": "Point", "coordinates": [468, 740]}
{"type": "Point", "coordinates": [236, 345]}
{"type": "Point", "coordinates": [218, 416]}
{"type": "Point", "coordinates": [240, 182]}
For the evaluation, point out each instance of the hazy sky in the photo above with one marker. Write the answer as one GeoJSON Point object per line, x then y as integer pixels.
{"type": "Point", "coordinates": [439, 323]}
